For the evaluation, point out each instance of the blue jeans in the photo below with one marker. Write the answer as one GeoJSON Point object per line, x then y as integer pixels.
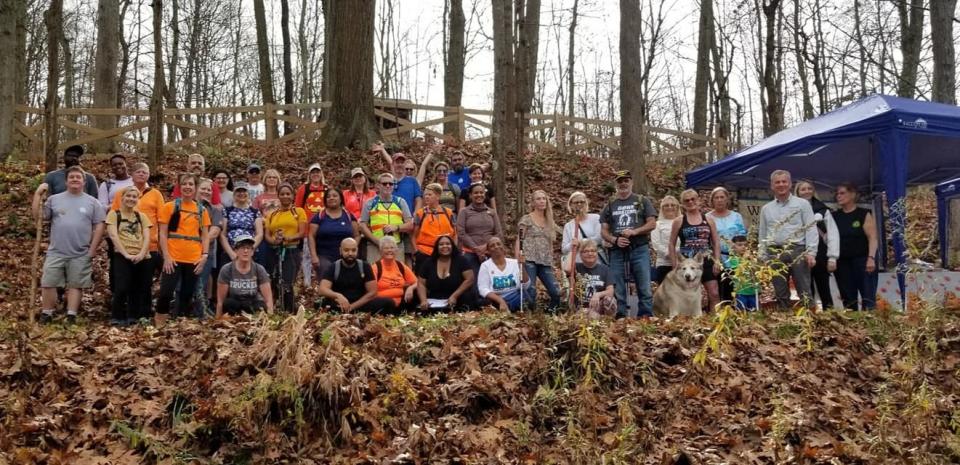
{"type": "Point", "coordinates": [201, 306]}
{"type": "Point", "coordinates": [639, 259]}
{"type": "Point", "coordinates": [549, 280]}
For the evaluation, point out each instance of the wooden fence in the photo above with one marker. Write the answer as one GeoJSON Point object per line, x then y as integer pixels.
{"type": "Point", "coordinates": [399, 119]}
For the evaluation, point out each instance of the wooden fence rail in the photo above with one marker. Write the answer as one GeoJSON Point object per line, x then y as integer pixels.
{"type": "Point", "coordinates": [398, 119]}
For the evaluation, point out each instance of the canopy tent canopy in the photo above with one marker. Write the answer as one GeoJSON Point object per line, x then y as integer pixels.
{"type": "Point", "coordinates": [945, 192]}
{"type": "Point", "coordinates": [881, 143]}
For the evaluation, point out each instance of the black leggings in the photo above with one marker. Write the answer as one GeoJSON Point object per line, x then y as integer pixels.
{"type": "Point", "coordinates": [182, 273]}
{"type": "Point", "coordinates": [821, 282]}
{"type": "Point", "coordinates": [131, 287]}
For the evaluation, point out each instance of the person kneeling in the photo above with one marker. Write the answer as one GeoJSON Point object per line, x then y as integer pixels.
{"type": "Point", "coordinates": [243, 285]}
{"type": "Point", "coordinates": [445, 279]}
{"type": "Point", "coordinates": [593, 285]}
{"type": "Point", "coordinates": [501, 280]}
{"type": "Point", "coordinates": [395, 281]}
{"type": "Point", "coordinates": [349, 284]}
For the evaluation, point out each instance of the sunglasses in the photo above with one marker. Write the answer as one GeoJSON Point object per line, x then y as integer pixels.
{"type": "Point", "coordinates": [409, 169]}
{"type": "Point", "coordinates": [386, 183]}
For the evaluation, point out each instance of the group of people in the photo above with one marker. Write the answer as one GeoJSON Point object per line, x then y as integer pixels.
{"type": "Point", "coordinates": [412, 243]}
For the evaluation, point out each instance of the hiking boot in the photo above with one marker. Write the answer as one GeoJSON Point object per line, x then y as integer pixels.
{"type": "Point", "coordinates": [71, 320]}
{"type": "Point", "coordinates": [45, 318]}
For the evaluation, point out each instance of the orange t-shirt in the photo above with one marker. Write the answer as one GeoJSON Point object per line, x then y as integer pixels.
{"type": "Point", "coordinates": [180, 249]}
{"type": "Point", "coordinates": [392, 282]}
{"type": "Point", "coordinates": [149, 204]}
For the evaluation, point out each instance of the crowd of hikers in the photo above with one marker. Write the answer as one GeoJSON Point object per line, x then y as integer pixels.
{"type": "Point", "coordinates": [423, 240]}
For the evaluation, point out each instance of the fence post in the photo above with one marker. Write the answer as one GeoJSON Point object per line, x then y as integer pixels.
{"type": "Point", "coordinates": [461, 125]}
{"type": "Point", "coordinates": [558, 133]}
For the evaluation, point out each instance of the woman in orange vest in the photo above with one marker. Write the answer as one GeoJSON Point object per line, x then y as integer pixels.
{"type": "Point", "coordinates": [430, 222]}
{"type": "Point", "coordinates": [184, 246]}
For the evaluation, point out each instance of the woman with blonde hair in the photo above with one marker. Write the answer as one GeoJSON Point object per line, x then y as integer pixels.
{"type": "Point", "coordinates": [129, 230]}
{"type": "Point", "coordinates": [537, 233]}
{"type": "Point", "coordinates": [697, 234]}
{"type": "Point", "coordinates": [660, 237]}
{"type": "Point", "coordinates": [269, 199]}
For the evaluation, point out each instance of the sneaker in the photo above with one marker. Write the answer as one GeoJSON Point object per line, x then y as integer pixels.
{"type": "Point", "coordinates": [45, 318]}
{"type": "Point", "coordinates": [71, 319]}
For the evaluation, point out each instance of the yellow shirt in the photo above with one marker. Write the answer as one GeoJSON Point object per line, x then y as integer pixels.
{"type": "Point", "coordinates": [129, 230]}
{"type": "Point", "coordinates": [290, 222]}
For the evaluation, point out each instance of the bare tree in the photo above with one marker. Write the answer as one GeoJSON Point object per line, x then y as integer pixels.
{"type": "Point", "coordinates": [54, 22]}
{"type": "Point", "coordinates": [350, 69]}
{"type": "Point", "coordinates": [571, 60]}
{"type": "Point", "coordinates": [633, 156]}
{"type": "Point", "coordinates": [911, 38]}
{"type": "Point", "coordinates": [503, 134]}
{"type": "Point", "coordinates": [9, 76]}
{"type": "Point", "coordinates": [287, 63]}
{"type": "Point", "coordinates": [772, 76]}
{"type": "Point", "coordinates": [944, 58]}
{"type": "Point", "coordinates": [800, 44]}
{"type": "Point", "coordinates": [454, 63]}
{"type": "Point", "coordinates": [155, 133]}
{"type": "Point", "coordinates": [266, 78]}
{"type": "Point", "coordinates": [705, 39]}
{"type": "Point", "coordinates": [105, 67]}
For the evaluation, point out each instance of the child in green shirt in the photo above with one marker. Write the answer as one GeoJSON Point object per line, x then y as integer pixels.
{"type": "Point", "coordinates": [744, 288]}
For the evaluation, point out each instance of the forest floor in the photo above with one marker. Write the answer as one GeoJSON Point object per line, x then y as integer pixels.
{"type": "Point", "coordinates": [480, 387]}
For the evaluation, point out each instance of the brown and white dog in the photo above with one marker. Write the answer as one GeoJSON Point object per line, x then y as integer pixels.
{"type": "Point", "coordinates": [680, 292]}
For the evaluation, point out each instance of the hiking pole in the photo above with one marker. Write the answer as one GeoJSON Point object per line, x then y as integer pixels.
{"type": "Point", "coordinates": [280, 284]}
{"type": "Point", "coordinates": [34, 259]}
{"type": "Point", "coordinates": [519, 265]}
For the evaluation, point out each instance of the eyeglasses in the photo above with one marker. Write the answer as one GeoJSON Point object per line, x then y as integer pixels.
{"type": "Point", "coordinates": [386, 184]}
{"type": "Point", "coordinates": [578, 202]}
{"type": "Point", "coordinates": [692, 199]}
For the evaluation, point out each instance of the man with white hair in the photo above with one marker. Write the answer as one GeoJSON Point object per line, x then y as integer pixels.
{"type": "Point", "coordinates": [788, 233]}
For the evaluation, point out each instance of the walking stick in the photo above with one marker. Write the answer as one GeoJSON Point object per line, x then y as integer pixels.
{"type": "Point", "coordinates": [573, 263]}
{"type": "Point", "coordinates": [34, 259]}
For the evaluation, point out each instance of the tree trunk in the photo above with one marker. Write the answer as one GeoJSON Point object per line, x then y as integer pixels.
{"type": "Point", "coordinates": [20, 26]}
{"type": "Point", "coordinates": [632, 153]}
{"type": "Point", "coordinates": [571, 60]}
{"type": "Point", "coordinates": [351, 122]}
{"type": "Point", "coordinates": [800, 44]}
{"type": "Point", "coordinates": [326, 80]}
{"type": "Point", "coordinates": [701, 81]}
{"type": "Point", "coordinates": [69, 99]}
{"type": "Point", "coordinates": [155, 133]}
{"type": "Point", "coordinates": [266, 78]}
{"type": "Point", "coordinates": [287, 64]}
{"type": "Point", "coordinates": [453, 66]}
{"type": "Point", "coordinates": [503, 134]}
{"type": "Point", "coordinates": [944, 59]}
{"type": "Point", "coordinates": [528, 42]}
{"type": "Point", "coordinates": [771, 71]}
{"type": "Point", "coordinates": [124, 56]}
{"type": "Point", "coordinates": [861, 48]}
{"type": "Point", "coordinates": [105, 68]}
{"type": "Point", "coordinates": [721, 76]}
{"type": "Point", "coordinates": [171, 88]}
{"type": "Point", "coordinates": [9, 77]}
{"type": "Point", "coordinates": [306, 90]}
{"type": "Point", "coordinates": [911, 38]}
{"type": "Point", "coordinates": [54, 22]}
{"type": "Point", "coordinates": [193, 52]}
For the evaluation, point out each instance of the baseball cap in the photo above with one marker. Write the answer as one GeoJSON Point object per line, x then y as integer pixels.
{"type": "Point", "coordinates": [621, 174]}
{"type": "Point", "coordinates": [244, 238]}
{"type": "Point", "coordinates": [399, 156]}
{"type": "Point", "coordinates": [241, 185]}
{"type": "Point", "coordinates": [253, 167]}
{"type": "Point", "coordinates": [315, 166]}
{"type": "Point", "coordinates": [357, 171]}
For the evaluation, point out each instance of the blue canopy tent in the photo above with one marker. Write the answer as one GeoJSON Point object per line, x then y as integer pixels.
{"type": "Point", "coordinates": [881, 143]}
{"type": "Point", "coordinates": [945, 191]}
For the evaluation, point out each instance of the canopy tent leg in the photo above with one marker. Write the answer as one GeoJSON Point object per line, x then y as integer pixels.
{"type": "Point", "coordinates": [894, 152]}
